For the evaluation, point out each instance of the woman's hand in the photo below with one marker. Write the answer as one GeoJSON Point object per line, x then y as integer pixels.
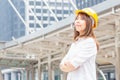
{"type": "Point", "coordinates": [67, 67]}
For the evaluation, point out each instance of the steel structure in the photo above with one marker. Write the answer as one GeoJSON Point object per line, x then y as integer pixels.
{"type": "Point", "coordinates": [41, 50]}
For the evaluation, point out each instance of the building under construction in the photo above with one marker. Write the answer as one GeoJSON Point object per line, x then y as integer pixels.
{"type": "Point", "coordinates": [37, 56]}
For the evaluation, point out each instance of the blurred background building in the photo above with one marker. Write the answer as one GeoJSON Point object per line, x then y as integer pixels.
{"type": "Point", "coordinates": [36, 14]}
{"type": "Point", "coordinates": [10, 23]}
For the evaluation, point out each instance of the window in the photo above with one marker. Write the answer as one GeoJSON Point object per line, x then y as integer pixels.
{"type": "Point", "coordinates": [39, 17]}
{"type": "Point", "coordinates": [59, 4]}
{"type": "Point", "coordinates": [112, 76]}
{"type": "Point", "coordinates": [22, 26]}
{"type": "Point", "coordinates": [44, 25]}
{"type": "Point", "coordinates": [45, 18]}
{"type": "Point", "coordinates": [15, 34]}
{"type": "Point", "coordinates": [52, 3]}
{"type": "Point", "coordinates": [44, 10]}
{"type": "Point", "coordinates": [31, 3]}
{"type": "Point", "coordinates": [15, 18]}
{"type": "Point", "coordinates": [65, 11]}
{"type": "Point", "coordinates": [38, 10]}
{"type": "Point", "coordinates": [22, 3]}
{"type": "Point", "coordinates": [31, 25]}
{"type": "Point", "coordinates": [53, 11]}
{"type": "Point", "coordinates": [59, 11]}
{"type": "Point", "coordinates": [22, 33]}
{"type": "Point", "coordinates": [52, 19]}
{"type": "Point", "coordinates": [38, 3]}
{"type": "Point", "coordinates": [31, 17]}
{"type": "Point", "coordinates": [22, 10]}
{"type": "Point", "coordinates": [37, 26]}
{"type": "Point", "coordinates": [59, 18]}
{"type": "Point", "coordinates": [66, 4]}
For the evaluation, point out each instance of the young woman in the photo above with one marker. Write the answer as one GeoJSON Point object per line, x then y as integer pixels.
{"type": "Point", "coordinates": [79, 62]}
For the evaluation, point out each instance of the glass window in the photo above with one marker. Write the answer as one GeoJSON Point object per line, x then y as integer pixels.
{"type": "Point", "coordinates": [59, 4]}
{"type": "Point", "coordinates": [31, 3]}
{"type": "Point", "coordinates": [23, 16]}
{"type": "Point", "coordinates": [106, 75]}
{"type": "Point", "coordinates": [22, 10]}
{"type": "Point", "coordinates": [44, 25]}
{"type": "Point", "coordinates": [66, 4]}
{"type": "Point", "coordinates": [22, 3]}
{"type": "Point", "coordinates": [31, 25]}
{"type": "Point", "coordinates": [32, 10]}
{"type": "Point", "coordinates": [45, 18]}
{"type": "Point", "coordinates": [59, 18]}
{"type": "Point", "coordinates": [53, 11]}
{"type": "Point", "coordinates": [44, 10]}
{"type": "Point", "coordinates": [52, 3]}
{"type": "Point", "coordinates": [31, 17]}
{"type": "Point", "coordinates": [57, 74]}
{"type": "Point", "coordinates": [45, 75]}
{"type": "Point", "coordinates": [22, 26]}
{"type": "Point", "coordinates": [59, 11]}
{"type": "Point", "coordinates": [38, 3]}
{"type": "Point", "coordinates": [15, 34]}
{"type": "Point", "coordinates": [112, 76]}
{"type": "Point", "coordinates": [38, 10]}
{"type": "Point", "coordinates": [37, 26]}
{"type": "Point", "coordinates": [15, 26]}
{"type": "Point", "coordinates": [65, 11]}
{"type": "Point", "coordinates": [42, 3]}
{"type": "Point", "coordinates": [15, 18]}
{"type": "Point", "coordinates": [39, 17]}
{"type": "Point", "coordinates": [52, 18]}
{"type": "Point", "coordinates": [22, 33]}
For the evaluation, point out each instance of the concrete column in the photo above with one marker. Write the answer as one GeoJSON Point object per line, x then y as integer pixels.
{"type": "Point", "coordinates": [22, 75]}
{"type": "Point", "coordinates": [36, 73]}
{"type": "Point", "coordinates": [49, 68]}
{"type": "Point", "coordinates": [39, 69]}
{"type": "Point", "coordinates": [13, 75]}
{"type": "Point", "coordinates": [33, 73]}
{"type": "Point", "coordinates": [19, 78]}
{"type": "Point", "coordinates": [53, 74]}
{"type": "Point", "coordinates": [6, 76]}
{"type": "Point", "coordinates": [27, 75]}
{"type": "Point", "coordinates": [30, 74]}
{"type": "Point", "coordinates": [117, 49]}
{"type": "Point", "coordinates": [1, 76]}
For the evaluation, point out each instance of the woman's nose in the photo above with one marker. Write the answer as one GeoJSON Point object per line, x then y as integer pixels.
{"type": "Point", "coordinates": [77, 21]}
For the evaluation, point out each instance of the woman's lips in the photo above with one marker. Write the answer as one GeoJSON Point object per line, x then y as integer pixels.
{"type": "Point", "coordinates": [77, 25]}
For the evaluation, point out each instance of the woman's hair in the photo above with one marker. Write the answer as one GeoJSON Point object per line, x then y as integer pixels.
{"type": "Point", "coordinates": [88, 32]}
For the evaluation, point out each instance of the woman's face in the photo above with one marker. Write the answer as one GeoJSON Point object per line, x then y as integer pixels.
{"type": "Point", "coordinates": [80, 24]}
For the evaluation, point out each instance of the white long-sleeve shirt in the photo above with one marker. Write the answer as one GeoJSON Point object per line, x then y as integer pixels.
{"type": "Point", "coordinates": [82, 55]}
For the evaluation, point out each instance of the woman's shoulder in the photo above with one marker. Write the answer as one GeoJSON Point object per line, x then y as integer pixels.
{"type": "Point", "coordinates": [86, 40]}
{"type": "Point", "coordinates": [89, 39]}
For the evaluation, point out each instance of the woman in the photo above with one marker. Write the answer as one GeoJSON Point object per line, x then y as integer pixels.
{"type": "Point", "coordinates": [79, 62]}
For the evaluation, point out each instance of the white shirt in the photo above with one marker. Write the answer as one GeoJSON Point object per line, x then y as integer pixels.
{"type": "Point", "coordinates": [82, 55]}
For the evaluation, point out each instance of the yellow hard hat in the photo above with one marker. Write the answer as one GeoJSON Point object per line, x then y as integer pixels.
{"type": "Point", "coordinates": [91, 13]}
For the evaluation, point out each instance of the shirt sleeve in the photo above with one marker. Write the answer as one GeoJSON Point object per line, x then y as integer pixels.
{"type": "Point", "coordinates": [66, 56]}
{"type": "Point", "coordinates": [83, 52]}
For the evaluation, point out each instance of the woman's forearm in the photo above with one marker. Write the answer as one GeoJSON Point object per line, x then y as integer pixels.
{"type": "Point", "coordinates": [67, 67]}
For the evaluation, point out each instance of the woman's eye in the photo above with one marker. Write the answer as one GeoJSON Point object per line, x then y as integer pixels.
{"type": "Point", "coordinates": [77, 18]}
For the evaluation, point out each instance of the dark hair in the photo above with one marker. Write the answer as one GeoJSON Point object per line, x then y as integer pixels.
{"type": "Point", "coordinates": [88, 32]}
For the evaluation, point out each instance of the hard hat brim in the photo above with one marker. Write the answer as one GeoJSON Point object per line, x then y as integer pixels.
{"type": "Point", "coordinates": [80, 11]}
